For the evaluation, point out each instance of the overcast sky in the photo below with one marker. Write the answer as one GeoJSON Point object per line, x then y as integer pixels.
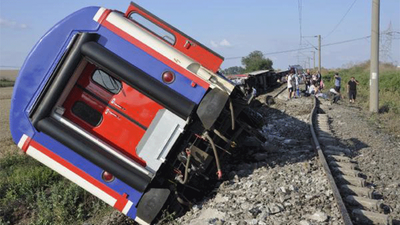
{"type": "Point", "coordinates": [232, 28]}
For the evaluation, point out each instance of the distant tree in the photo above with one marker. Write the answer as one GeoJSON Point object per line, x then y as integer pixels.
{"type": "Point", "coordinates": [256, 61]}
{"type": "Point", "coordinates": [233, 70]}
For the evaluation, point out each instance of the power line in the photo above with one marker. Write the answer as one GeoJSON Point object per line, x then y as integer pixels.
{"type": "Point", "coordinates": [311, 44]}
{"type": "Point", "coordinates": [300, 49]}
{"type": "Point", "coordinates": [346, 41]}
{"type": "Point", "coordinates": [337, 25]}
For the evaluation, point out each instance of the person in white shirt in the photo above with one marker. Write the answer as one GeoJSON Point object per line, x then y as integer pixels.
{"type": "Point", "coordinates": [313, 88]}
{"type": "Point", "coordinates": [289, 84]}
{"type": "Point", "coordinates": [296, 90]}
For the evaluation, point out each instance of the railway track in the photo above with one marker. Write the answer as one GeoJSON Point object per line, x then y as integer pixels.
{"type": "Point", "coordinates": [284, 183]}
{"type": "Point", "coordinates": [357, 202]}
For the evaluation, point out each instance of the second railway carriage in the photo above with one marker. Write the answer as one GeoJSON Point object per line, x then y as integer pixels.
{"type": "Point", "coordinates": [128, 107]}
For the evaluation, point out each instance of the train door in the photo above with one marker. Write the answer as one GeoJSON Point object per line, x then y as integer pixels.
{"type": "Point", "coordinates": [110, 110]}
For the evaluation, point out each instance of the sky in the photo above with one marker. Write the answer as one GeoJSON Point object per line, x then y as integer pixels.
{"type": "Point", "coordinates": [231, 28]}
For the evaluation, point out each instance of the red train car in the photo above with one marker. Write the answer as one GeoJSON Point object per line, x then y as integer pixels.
{"type": "Point", "coordinates": [129, 108]}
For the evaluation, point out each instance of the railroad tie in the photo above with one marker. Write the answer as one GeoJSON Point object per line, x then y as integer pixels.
{"type": "Point", "coordinates": [338, 149]}
{"type": "Point", "coordinates": [367, 217]}
{"type": "Point", "coordinates": [322, 116]}
{"type": "Point", "coordinates": [335, 153]}
{"type": "Point", "coordinates": [356, 181]}
{"type": "Point", "coordinates": [339, 158]}
{"type": "Point", "coordinates": [366, 203]}
{"type": "Point", "coordinates": [324, 134]}
{"type": "Point", "coordinates": [344, 165]}
{"type": "Point", "coordinates": [324, 131]}
{"type": "Point", "coordinates": [358, 191]}
{"type": "Point", "coordinates": [343, 171]}
{"type": "Point", "coordinates": [323, 125]}
{"type": "Point", "coordinates": [328, 141]}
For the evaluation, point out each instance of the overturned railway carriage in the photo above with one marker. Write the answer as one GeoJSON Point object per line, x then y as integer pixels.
{"type": "Point", "coordinates": [129, 108]}
{"type": "Point", "coordinates": [262, 81]}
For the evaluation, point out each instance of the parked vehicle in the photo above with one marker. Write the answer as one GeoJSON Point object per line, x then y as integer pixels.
{"type": "Point", "coordinates": [129, 108]}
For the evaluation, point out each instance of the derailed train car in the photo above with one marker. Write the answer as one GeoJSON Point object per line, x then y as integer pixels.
{"type": "Point", "coordinates": [129, 108]}
{"type": "Point", "coordinates": [261, 81]}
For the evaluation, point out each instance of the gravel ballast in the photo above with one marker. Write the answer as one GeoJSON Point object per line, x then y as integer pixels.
{"type": "Point", "coordinates": [278, 183]}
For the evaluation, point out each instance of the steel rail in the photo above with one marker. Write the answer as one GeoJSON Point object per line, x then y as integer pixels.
{"type": "Point", "coordinates": [342, 208]}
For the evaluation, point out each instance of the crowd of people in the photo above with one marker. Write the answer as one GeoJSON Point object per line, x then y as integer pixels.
{"type": "Point", "coordinates": [314, 85]}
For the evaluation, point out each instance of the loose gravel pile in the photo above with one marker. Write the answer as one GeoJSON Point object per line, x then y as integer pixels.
{"type": "Point", "coordinates": [278, 183]}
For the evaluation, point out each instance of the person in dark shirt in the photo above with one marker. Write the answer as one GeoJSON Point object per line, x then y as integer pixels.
{"type": "Point", "coordinates": [338, 80]}
{"type": "Point", "coordinates": [352, 89]}
{"type": "Point", "coordinates": [319, 76]}
{"type": "Point", "coordinates": [307, 78]}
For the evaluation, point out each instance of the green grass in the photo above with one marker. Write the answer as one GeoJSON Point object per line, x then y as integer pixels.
{"type": "Point", "coordinates": [32, 193]}
{"type": "Point", "coordinates": [389, 91]}
{"type": "Point", "coordinates": [4, 82]}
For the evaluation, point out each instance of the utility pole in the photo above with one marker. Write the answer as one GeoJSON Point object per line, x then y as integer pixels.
{"type": "Point", "coordinates": [319, 53]}
{"type": "Point", "coordinates": [374, 75]}
{"type": "Point", "coordinates": [314, 59]}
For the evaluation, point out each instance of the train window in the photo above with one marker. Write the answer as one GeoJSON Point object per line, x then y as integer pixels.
{"type": "Point", "coordinates": [106, 81]}
{"type": "Point", "coordinates": [154, 28]}
{"type": "Point", "coordinates": [87, 113]}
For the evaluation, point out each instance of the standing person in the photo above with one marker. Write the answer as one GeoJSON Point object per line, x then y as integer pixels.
{"type": "Point", "coordinates": [296, 82]}
{"type": "Point", "coordinates": [338, 80]}
{"type": "Point", "coordinates": [352, 89]}
{"type": "Point", "coordinates": [289, 84]}
{"type": "Point", "coordinates": [319, 77]}
{"type": "Point", "coordinates": [307, 80]}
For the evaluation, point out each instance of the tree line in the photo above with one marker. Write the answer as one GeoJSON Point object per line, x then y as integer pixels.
{"type": "Point", "coordinates": [253, 62]}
